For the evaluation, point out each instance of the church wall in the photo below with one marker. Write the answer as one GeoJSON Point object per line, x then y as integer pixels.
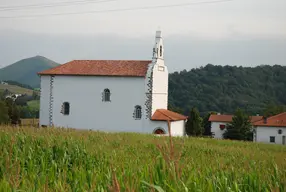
{"type": "Point", "coordinates": [88, 111]}
{"type": "Point", "coordinates": [45, 100]}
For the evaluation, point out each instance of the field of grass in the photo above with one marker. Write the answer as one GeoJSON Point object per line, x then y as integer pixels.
{"type": "Point", "coordinates": [35, 159]}
{"type": "Point", "coordinates": [16, 89]}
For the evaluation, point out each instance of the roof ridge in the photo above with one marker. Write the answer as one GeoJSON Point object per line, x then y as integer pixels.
{"type": "Point", "coordinates": [270, 118]}
{"type": "Point", "coordinates": [274, 116]}
{"type": "Point", "coordinates": [136, 68]}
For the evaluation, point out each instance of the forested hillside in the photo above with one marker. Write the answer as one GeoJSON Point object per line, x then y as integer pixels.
{"type": "Point", "coordinates": [224, 88]}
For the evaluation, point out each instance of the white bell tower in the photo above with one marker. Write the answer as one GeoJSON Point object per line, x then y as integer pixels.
{"type": "Point", "coordinates": [157, 79]}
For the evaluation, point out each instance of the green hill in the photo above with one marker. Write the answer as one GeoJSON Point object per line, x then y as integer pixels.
{"type": "Point", "coordinates": [25, 71]}
{"type": "Point", "coordinates": [224, 88]}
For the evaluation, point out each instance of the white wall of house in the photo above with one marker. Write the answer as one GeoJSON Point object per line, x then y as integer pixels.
{"type": "Point", "coordinates": [263, 134]}
{"type": "Point", "coordinates": [178, 128]}
{"type": "Point", "coordinates": [45, 100]}
{"type": "Point", "coordinates": [215, 128]}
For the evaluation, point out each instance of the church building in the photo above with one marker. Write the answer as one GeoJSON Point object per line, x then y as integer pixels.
{"type": "Point", "coordinates": [110, 95]}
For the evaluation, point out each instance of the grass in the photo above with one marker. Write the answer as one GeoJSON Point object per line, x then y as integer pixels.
{"type": "Point", "coordinates": [16, 89]}
{"type": "Point", "coordinates": [35, 159]}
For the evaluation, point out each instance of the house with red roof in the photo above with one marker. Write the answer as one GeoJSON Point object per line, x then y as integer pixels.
{"type": "Point", "coordinates": [219, 122]}
{"type": "Point", "coordinates": [271, 129]}
{"type": "Point", "coordinates": [110, 95]}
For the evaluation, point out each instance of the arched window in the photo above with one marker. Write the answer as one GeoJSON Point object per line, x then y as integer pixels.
{"type": "Point", "coordinates": [161, 51]}
{"type": "Point", "coordinates": [66, 108]}
{"type": "Point", "coordinates": [106, 95]}
{"type": "Point", "coordinates": [159, 131]}
{"type": "Point", "coordinates": [138, 112]}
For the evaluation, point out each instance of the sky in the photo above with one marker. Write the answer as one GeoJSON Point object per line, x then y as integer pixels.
{"type": "Point", "coordinates": [233, 32]}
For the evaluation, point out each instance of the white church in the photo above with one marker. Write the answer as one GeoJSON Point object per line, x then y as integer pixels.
{"type": "Point", "coordinates": [110, 95]}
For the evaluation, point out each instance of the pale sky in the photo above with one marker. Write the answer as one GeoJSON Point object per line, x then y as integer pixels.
{"type": "Point", "coordinates": [237, 32]}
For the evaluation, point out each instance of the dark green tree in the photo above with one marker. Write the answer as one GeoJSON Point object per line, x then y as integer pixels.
{"type": "Point", "coordinates": [4, 117]}
{"type": "Point", "coordinates": [175, 109]}
{"type": "Point", "coordinates": [239, 128]}
{"type": "Point", "coordinates": [273, 109]}
{"type": "Point", "coordinates": [206, 124]}
{"type": "Point", "coordinates": [13, 111]}
{"type": "Point", "coordinates": [194, 123]}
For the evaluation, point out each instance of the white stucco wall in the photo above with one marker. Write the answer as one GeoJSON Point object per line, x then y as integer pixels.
{"type": "Point", "coordinates": [88, 111]}
{"type": "Point", "coordinates": [44, 100]}
{"type": "Point", "coordinates": [218, 133]}
{"type": "Point", "coordinates": [263, 134]}
{"type": "Point", "coordinates": [178, 128]}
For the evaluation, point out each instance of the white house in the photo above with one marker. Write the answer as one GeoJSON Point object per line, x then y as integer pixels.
{"type": "Point", "coordinates": [3, 83]}
{"type": "Point", "coordinates": [271, 129]}
{"type": "Point", "coordinates": [219, 122]}
{"type": "Point", "coordinates": [110, 95]}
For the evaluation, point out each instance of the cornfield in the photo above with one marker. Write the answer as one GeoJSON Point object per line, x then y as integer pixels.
{"type": "Point", "coordinates": [54, 159]}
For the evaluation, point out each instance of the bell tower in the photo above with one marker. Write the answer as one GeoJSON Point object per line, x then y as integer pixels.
{"type": "Point", "coordinates": [157, 79]}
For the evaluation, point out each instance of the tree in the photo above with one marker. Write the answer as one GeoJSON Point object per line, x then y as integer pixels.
{"type": "Point", "coordinates": [194, 123]}
{"type": "Point", "coordinates": [239, 128]}
{"type": "Point", "coordinates": [4, 117]}
{"type": "Point", "coordinates": [206, 124]}
{"type": "Point", "coordinates": [13, 111]}
{"type": "Point", "coordinates": [175, 109]}
{"type": "Point", "coordinates": [273, 109]}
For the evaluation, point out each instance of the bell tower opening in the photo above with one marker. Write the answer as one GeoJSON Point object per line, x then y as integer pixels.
{"type": "Point", "coordinates": [158, 49]}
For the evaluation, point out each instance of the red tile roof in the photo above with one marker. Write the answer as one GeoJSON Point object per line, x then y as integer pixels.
{"type": "Point", "coordinates": [165, 115]}
{"type": "Point", "coordinates": [273, 121]}
{"type": "Point", "coordinates": [228, 118]}
{"type": "Point", "coordinates": [101, 68]}
{"type": "Point", "coordinates": [221, 118]}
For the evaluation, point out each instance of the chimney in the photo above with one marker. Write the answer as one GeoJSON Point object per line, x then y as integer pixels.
{"type": "Point", "coordinates": [264, 120]}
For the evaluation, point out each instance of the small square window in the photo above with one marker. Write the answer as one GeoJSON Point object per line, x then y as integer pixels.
{"type": "Point", "coordinates": [222, 126]}
{"type": "Point", "coordinates": [161, 68]}
{"type": "Point", "coordinates": [272, 139]}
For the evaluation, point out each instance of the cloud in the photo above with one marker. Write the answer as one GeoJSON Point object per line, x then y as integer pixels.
{"type": "Point", "coordinates": [181, 51]}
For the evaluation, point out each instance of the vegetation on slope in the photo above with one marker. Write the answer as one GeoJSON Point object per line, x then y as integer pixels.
{"type": "Point", "coordinates": [25, 71]}
{"type": "Point", "coordinates": [226, 88]}
{"type": "Point", "coordinates": [66, 160]}
{"type": "Point", "coordinates": [15, 89]}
